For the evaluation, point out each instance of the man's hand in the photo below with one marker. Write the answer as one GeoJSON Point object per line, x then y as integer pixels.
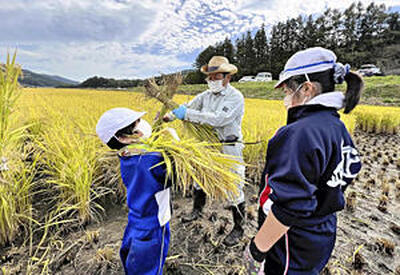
{"type": "Point", "coordinates": [180, 112]}
{"type": "Point", "coordinates": [169, 117]}
{"type": "Point", "coordinates": [254, 259]}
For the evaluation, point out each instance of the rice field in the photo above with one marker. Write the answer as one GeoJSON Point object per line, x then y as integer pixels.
{"type": "Point", "coordinates": [63, 177]}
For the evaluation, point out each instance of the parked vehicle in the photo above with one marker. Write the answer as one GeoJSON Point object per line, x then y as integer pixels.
{"type": "Point", "coordinates": [369, 70]}
{"type": "Point", "coordinates": [263, 76]}
{"type": "Point", "coordinates": [247, 78]}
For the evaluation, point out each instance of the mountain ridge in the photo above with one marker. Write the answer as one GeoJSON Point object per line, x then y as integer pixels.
{"type": "Point", "coordinates": [33, 79]}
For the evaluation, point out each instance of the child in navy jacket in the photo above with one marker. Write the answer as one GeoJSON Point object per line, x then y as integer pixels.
{"type": "Point", "coordinates": [146, 238]}
{"type": "Point", "coordinates": [309, 164]}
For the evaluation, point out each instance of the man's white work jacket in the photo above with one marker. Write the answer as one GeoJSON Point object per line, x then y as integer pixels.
{"type": "Point", "coordinates": [224, 111]}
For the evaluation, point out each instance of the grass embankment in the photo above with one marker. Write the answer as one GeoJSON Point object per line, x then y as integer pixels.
{"type": "Point", "coordinates": [379, 90]}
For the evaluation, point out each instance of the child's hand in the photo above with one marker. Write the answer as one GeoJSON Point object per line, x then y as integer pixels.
{"type": "Point", "coordinates": [253, 266]}
{"type": "Point", "coordinates": [169, 117]}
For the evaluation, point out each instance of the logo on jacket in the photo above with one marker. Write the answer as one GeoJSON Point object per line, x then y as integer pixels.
{"type": "Point", "coordinates": [347, 168]}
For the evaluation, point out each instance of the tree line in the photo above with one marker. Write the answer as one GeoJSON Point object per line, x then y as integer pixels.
{"type": "Point", "coordinates": [358, 35]}
{"type": "Point", "coordinates": [101, 82]}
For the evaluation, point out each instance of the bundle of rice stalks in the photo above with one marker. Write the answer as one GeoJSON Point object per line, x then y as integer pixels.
{"type": "Point", "coordinates": [164, 94]}
{"type": "Point", "coordinates": [189, 161]}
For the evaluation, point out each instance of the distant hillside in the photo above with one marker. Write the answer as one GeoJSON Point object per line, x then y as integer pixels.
{"type": "Point", "coordinates": [30, 79]}
{"type": "Point", "coordinates": [109, 83]}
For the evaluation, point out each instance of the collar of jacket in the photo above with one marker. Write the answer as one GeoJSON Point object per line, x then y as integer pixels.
{"type": "Point", "coordinates": [224, 91]}
{"type": "Point", "coordinates": [298, 112]}
{"type": "Point", "coordinates": [133, 149]}
{"type": "Point", "coordinates": [331, 99]}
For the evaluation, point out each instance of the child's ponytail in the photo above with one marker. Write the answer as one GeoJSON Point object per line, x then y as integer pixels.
{"type": "Point", "coordinates": [355, 85]}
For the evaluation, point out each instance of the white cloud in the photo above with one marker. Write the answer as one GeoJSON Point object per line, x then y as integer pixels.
{"type": "Point", "coordinates": [134, 38]}
{"type": "Point", "coordinates": [213, 19]}
{"type": "Point", "coordinates": [81, 60]}
{"type": "Point", "coordinates": [275, 10]}
{"type": "Point", "coordinates": [75, 20]}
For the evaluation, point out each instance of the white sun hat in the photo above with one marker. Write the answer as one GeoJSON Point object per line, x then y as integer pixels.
{"type": "Point", "coordinates": [114, 120]}
{"type": "Point", "coordinates": [308, 61]}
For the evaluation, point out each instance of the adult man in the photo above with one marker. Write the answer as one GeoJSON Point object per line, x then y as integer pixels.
{"type": "Point", "coordinates": [222, 107]}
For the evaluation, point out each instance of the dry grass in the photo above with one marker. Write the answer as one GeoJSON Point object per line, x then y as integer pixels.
{"type": "Point", "coordinates": [351, 201]}
{"type": "Point", "coordinates": [358, 261]}
{"type": "Point", "coordinates": [395, 228]}
{"type": "Point", "coordinates": [92, 236]}
{"type": "Point", "coordinates": [397, 189]}
{"type": "Point", "coordinates": [383, 203]}
{"type": "Point", "coordinates": [105, 254]}
{"type": "Point", "coordinates": [385, 246]}
{"type": "Point", "coordinates": [385, 187]}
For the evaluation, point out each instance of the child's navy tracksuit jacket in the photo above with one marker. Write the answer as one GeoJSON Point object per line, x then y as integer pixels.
{"type": "Point", "coordinates": [310, 161]}
{"type": "Point", "coordinates": [146, 238]}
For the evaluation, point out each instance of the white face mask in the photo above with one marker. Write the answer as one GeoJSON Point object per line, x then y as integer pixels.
{"type": "Point", "coordinates": [216, 86]}
{"type": "Point", "coordinates": [287, 101]}
{"type": "Point", "coordinates": [145, 128]}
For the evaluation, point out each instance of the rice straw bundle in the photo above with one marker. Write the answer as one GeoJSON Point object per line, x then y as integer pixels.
{"type": "Point", "coordinates": [164, 94]}
{"type": "Point", "coordinates": [190, 161]}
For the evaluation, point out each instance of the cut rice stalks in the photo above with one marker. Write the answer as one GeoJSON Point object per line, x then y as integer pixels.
{"type": "Point", "coordinates": [189, 161]}
{"type": "Point", "coordinates": [164, 94]}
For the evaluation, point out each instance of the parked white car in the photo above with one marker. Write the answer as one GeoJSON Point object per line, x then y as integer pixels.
{"type": "Point", "coordinates": [247, 78]}
{"type": "Point", "coordinates": [263, 77]}
{"type": "Point", "coordinates": [369, 70]}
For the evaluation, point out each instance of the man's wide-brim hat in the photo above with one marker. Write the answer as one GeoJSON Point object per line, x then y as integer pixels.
{"type": "Point", "coordinates": [218, 64]}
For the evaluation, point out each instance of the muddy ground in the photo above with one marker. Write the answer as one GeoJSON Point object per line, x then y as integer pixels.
{"type": "Point", "coordinates": [368, 237]}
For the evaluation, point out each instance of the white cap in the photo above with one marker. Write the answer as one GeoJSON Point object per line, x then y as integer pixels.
{"type": "Point", "coordinates": [114, 120]}
{"type": "Point", "coordinates": [308, 61]}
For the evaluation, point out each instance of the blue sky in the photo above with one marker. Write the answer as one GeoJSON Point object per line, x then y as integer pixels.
{"type": "Point", "coordinates": [134, 38]}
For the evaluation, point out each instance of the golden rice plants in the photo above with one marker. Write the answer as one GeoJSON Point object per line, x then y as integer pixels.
{"type": "Point", "coordinates": [350, 121]}
{"type": "Point", "coordinates": [378, 119]}
{"type": "Point", "coordinates": [63, 132]}
{"type": "Point", "coordinates": [262, 119]}
{"type": "Point", "coordinates": [16, 177]}
{"type": "Point", "coordinates": [71, 160]}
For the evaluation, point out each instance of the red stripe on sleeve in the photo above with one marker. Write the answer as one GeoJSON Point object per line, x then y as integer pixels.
{"type": "Point", "coordinates": [265, 193]}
